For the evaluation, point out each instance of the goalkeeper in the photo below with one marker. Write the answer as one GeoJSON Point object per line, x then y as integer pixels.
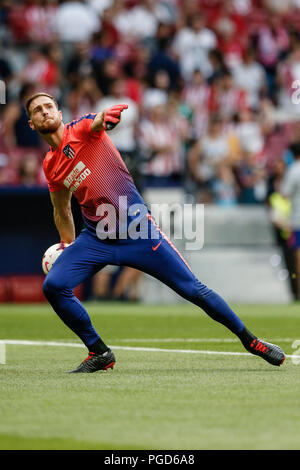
{"type": "Point", "coordinates": [82, 161]}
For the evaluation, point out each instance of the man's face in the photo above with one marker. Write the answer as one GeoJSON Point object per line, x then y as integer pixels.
{"type": "Point", "coordinates": [44, 115]}
{"type": "Point", "coordinates": [198, 23]}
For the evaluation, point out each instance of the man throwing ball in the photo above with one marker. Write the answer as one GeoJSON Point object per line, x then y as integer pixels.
{"type": "Point", "coordinates": [82, 161]}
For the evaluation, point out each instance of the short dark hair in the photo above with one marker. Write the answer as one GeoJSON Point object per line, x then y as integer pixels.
{"type": "Point", "coordinates": [31, 98]}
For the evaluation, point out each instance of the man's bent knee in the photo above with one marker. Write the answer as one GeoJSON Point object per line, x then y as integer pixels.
{"type": "Point", "coordinates": [53, 285]}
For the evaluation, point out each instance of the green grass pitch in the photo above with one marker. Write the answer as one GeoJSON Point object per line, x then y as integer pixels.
{"type": "Point", "coordinates": [152, 399]}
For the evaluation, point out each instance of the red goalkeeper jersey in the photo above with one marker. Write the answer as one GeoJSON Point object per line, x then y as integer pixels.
{"type": "Point", "coordinates": [89, 165]}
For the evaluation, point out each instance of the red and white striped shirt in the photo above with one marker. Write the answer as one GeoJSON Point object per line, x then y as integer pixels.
{"type": "Point", "coordinates": [162, 135]}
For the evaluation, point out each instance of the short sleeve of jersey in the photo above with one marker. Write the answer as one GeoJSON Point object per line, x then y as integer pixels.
{"type": "Point", "coordinates": [84, 126]}
{"type": "Point", "coordinates": [53, 187]}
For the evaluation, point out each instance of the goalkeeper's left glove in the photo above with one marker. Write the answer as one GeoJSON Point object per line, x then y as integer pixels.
{"type": "Point", "coordinates": [112, 116]}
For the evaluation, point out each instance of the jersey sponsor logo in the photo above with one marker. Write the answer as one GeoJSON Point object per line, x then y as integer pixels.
{"type": "Point", "coordinates": [72, 175]}
{"type": "Point", "coordinates": [69, 152]}
{"type": "Point", "coordinates": [76, 176]}
{"type": "Point", "coordinates": [80, 179]}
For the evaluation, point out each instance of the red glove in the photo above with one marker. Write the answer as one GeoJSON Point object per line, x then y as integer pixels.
{"type": "Point", "coordinates": [112, 116]}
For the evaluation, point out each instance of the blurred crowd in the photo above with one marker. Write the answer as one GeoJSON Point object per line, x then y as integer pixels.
{"type": "Point", "coordinates": [211, 87]}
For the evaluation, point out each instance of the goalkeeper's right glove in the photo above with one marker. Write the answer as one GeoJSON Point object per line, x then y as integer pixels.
{"type": "Point", "coordinates": [112, 116]}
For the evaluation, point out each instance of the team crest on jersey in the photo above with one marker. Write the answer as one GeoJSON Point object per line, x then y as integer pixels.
{"type": "Point", "coordinates": [68, 151]}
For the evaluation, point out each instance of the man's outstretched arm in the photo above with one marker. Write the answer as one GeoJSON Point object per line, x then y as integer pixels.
{"type": "Point", "coordinates": [109, 118]}
{"type": "Point", "coordinates": [63, 216]}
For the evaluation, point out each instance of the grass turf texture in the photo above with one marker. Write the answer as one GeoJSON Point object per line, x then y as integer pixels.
{"type": "Point", "coordinates": [152, 400]}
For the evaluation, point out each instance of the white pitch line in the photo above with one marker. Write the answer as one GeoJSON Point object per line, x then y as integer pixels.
{"type": "Point", "coordinates": [25, 342]}
{"type": "Point", "coordinates": [193, 340]}
{"type": "Point", "coordinates": [177, 340]}
{"type": "Point", "coordinates": [145, 340]}
{"type": "Point", "coordinates": [129, 348]}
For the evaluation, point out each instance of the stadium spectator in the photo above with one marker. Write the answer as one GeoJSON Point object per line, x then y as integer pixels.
{"type": "Point", "coordinates": [197, 95]}
{"type": "Point", "coordinates": [105, 73]}
{"type": "Point", "coordinates": [127, 285]}
{"type": "Point", "coordinates": [227, 98]}
{"type": "Point", "coordinates": [290, 189]}
{"type": "Point", "coordinates": [277, 136]}
{"type": "Point", "coordinates": [272, 42]}
{"type": "Point", "coordinates": [80, 63]}
{"type": "Point", "coordinates": [230, 43]}
{"type": "Point", "coordinates": [217, 65]}
{"type": "Point", "coordinates": [43, 68]}
{"type": "Point", "coordinates": [100, 7]}
{"type": "Point", "coordinates": [115, 283]}
{"type": "Point", "coordinates": [134, 83]}
{"type": "Point", "coordinates": [139, 22]}
{"type": "Point", "coordinates": [236, 11]}
{"type": "Point", "coordinates": [104, 46]}
{"type": "Point", "coordinates": [251, 76]}
{"type": "Point", "coordinates": [196, 92]}
{"type": "Point", "coordinates": [161, 144]}
{"type": "Point", "coordinates": [41, 19]}
{"type": "Point", "coordinates": [279, 210]}
{"type": "Point", "coordinates": [180, 114]}
{"type": "Point", "coordinates": [34, 21]}
{"type": "Point", "coordinates": [158, 89]}
{"type": "Point", "coordinates": [162, 58]}
{"type": "Point", "coordinates": [248, 131]}
{"type": "Point", "coordinates": [225, 188]}
{"type": "Point", "coordinates": [28, 171]}
{"type": "Point", "coordinates": [188, 9]}
{"type": "Point", "coordinates": [81, 99]}
{"type": "Point", "coordinates": [76, 22]}
{"type": "Point", "coordinates": [192, 45]}
{"type": "Point", "coordinates": [280, 207]}
{"type": "Point", "coordinates": [251, 178]}
{"type": "Point", "coordinates": [206, 156]}
{"type": "Point", "coordinates": [6, 173]}
{"type": "Point", "coordinates": [15, 122]}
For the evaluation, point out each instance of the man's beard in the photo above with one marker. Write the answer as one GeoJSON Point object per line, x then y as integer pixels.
{"type": "Point", "coordinates": [50, 128]}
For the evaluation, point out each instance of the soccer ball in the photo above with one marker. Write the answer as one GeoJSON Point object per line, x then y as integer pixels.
{"type": "Point", "coordinates": [51, 255]}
